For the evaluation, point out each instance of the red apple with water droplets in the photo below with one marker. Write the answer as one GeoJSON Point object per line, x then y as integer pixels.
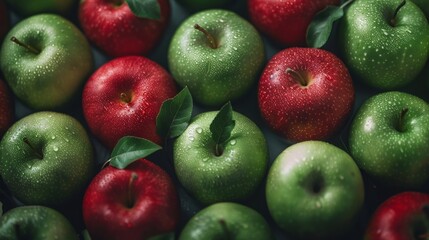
{"type": "Point", "coordinates": [305, 94]}
{"type": "Point", "coordinates": [123, 98]}
{"type": "Point", "coordinates": [113, 27]}
{"type": "Point", "coordinates": [6, 108]}
{"type": "Point", "coordinates": [285, 21]}
{"type": "Point", "coordinates": [403, 216]}
{"type": "Point", "coordinates": [137, 202]}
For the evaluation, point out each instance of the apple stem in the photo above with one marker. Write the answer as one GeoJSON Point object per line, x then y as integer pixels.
{"type": "Point", "coordinates": [218, 149]}
{"type": "Point", "coordinates": [210, 37]}
{"type": "Point", "coordinates": [393, 20]}
{"type": "Point", "coordinates": [297, 77]}
{"type": "Point", "coordinates": [130, 200]}
{"type": "Point", "coordinates": [38, 154]}
{"type": "Point", "coordinates": [125, 97]}
{"type": "Point", "coordinates": [401, 119]}
{"type": "Point", "coordinates": [225, 229]}
{"type": "Point", "coordinates": [26, 46]}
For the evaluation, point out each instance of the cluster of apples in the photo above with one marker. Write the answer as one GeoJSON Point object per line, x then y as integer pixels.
{"type": "Point", "coordinates": [215, 119]}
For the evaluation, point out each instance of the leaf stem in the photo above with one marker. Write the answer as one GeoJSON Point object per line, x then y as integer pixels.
{"type": "Point", "coordinates": [210, 38]}
{"type": "Point", "coordinates": [37, 153]}
{"type": "Point", "coordinates": [24, 45]}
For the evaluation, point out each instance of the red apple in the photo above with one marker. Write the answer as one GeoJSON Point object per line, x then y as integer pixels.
{"type": "Point", "coordinates": [137, 202]}
{"type": "Point", "coordinates": [6, 108]}
{"type": "Point", "coordinates": [123, 98]}
{"type": "Point", "coordinates": [113, 28]}
{"type": "Point", "coordinates": [403, 216]}
{"type": "Point", "coordinates": [4, 20]}
{"type": "Point", "coordinates": [305, 94]}
{"type": "Point", "coordinates": [285, 21]}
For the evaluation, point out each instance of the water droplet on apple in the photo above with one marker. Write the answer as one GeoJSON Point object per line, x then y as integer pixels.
{"type": "Point", "coordinates": [205, 159]}
{"type": "Point", "coordinates": [55, 148]}
{"type": "Point", "coordinates": [318, 205]}
{"type": "Point", "coordinates": [233, 142]}
{"type": "Point", "coordinates": [235, 48]}
{"type": "Point", "coordinates": [191, 138]}
{"type": "Point", "coordinates": [199, 130]}
{"type": "Point", "coordinates": [341, 177]}
{"type": "Point", "coordinates": [53, 137]}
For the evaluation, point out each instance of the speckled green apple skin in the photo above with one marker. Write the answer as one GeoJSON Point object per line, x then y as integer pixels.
{"type": "Point", "coordinates": [196, 5]}
{"type": "Point", "coordinates": [239, 223]}
{"type": "Point", "coordinates": [47, 80]}
{"type": "Point", "coordinates": [303, 212]}
{"type": "Point", "coordinates": [394, 158]}
{"type": "Point", "coordinates": [232, 176]}
{"type": "Point", "coordinates": [36, 223]}
{"type": "Point", "coordinates": [383, 56]}
{"type": "Point", "coordinates": [215, 76]}
{"type": "Point", "coordinates": [63, 172]}
{"type": "Point", "coordinates": [27, 8]}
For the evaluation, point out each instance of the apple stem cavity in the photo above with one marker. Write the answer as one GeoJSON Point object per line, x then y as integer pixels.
{"type": "Point", "coordinates": [298, 77]}
{"type": "Point", "coordinates": [400, 126]}
{"type": "Point", "coordinates": [125, 97]}
{"type": "Point", "coordinates": [131, 200]}
{"type": "Point", "coordinates": [212, 41]}
{"type": "Point", "coordinates": [225, 229]}
{"type": "Point", "coordinates": [26, 46]}
{"type": "Point", "coordinates": [37, 153]}
{"type": "Point", "coordinates": [393, 20]}
{"type": "Point", "coordinates": [218, 150]}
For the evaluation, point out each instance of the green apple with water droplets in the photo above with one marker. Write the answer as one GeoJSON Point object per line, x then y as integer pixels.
{"type": "Point", "coordinates": [46, 158]}
{"type": "Point", "coordinates": [314, 190]}
{"type": "Point", "coordinates": [231, 174]}
{"type": "Point", "coordinates": [385, 42]}
{"type": "Point", "coordinates": [389, 140]}
{"type": "Point", "coordinates": [217, 54]}
{"type": "Point", "coordinates": [45, 59]}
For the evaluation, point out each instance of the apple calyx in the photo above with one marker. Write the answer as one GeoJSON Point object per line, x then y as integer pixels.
{"type": "Point", "coordinates": [24, 45]}
{"type": "Point", "coordinates": [225, 229]}
{"type": "Point", "coordinates": [125, 97]}
{"type": "Point", "coordinates": [212, 41]}
{"type": "Point", "coordinates": [393, 19]}
{"type": "Point", "coordinates": [38, 154]}
{"type": "Point", "coordinates": [400, 126]}
{"type": "Point", "coordinates": [299, 77]}
{"type": "Point", "coordinates": [131, 198]}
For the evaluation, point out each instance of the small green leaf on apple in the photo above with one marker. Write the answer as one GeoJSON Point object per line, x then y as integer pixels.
{"type": "Point", "coordinates": [222, 126]}
{"type": "Point", "coordinates": [145, 8]}
{"type": "Point", "coordinates": [320, 28]}
{"type": "Point", "coordinates": [174, 115]}
{"type": "Point", "coordinates": [130, 149]}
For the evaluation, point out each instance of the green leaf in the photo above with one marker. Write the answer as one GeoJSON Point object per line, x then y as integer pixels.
{"type": "Point", "coordinates": [166, 236]}
{"type": "Point", "coordinates": [145, 8]}
{"type": "Point", "coordinates": [174, 116]}
{"type": "Point", "coordinates": [320, 28]}
{"type": "Point", "coordinates": [129, 149]}
{"type": "Point", "coordinates": [222, 125]}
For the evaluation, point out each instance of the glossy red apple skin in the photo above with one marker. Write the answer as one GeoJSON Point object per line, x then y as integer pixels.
{"type": "Point", "coordinates": [285, 21]}
{"type": "Point", "coordinates": [403, 216]}
{"type": "Point", "coordinates": [110, 115]}
{"type": "Point", "coordinates": [4, 20]}
{"type": "Point", "coordinates": [117, 31]}
{"type": "Point", "coordinates": [155, 210]}
{"type": "Point", "coordinates": [7, 110]}
{"type": "Point", "coordinates": [313, 112]}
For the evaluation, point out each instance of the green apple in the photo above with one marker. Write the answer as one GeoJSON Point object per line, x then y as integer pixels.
{"type": "Point", "coordinates": [197, 5]}
{"type": "Point", "coordinates": [385, 43]}
{"type": "Point", "coordinates": [389, 139]}
{"type": "Point", "coordinates": [46, 158]}
{"type": "Point", "coordinates": [45, 60]}
{"type": "Point", "coordinates": [35, 223]}
{"type": "Point", "coordinates": [28, 8]}
{"type": "Point", "coordinates": [231, 174]}
{"type": "Point", "coordinates": [314, 190]}
{"type": "Point", "coordinates": [226, 220]}
{"type": "Point", "coordinates": [217, 54]}
{"type": "Point", "coordinates": [424, 5]}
